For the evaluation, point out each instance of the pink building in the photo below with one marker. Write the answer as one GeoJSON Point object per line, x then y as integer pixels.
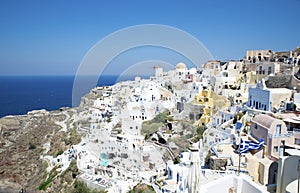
{"type": "Point", "coordinates": [275, 133]}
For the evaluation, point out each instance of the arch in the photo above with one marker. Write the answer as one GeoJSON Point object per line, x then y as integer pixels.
{"type": "Point", "coordinates": [273, 170]}
{"type": "Point", "coordinates": [162, 140]}
{"type": "Point", "coordinates": [225, 73]}
{"type": "Point", "coordinates": [254, 60]}
{"type": "Point", "coordinates": [259, 56]}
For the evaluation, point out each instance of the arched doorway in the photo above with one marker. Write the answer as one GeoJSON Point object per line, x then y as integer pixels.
{"type": "Point", "coordinates": [273, 173]}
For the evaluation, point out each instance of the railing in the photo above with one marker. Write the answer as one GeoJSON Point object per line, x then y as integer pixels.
{"type": "Point", "coordinates": [286, 135]}
{"type": "Point", "coordinates": [227, 123]}
{"type": "Point", "coordinates": [222, 155]}
{"type": "Point", "coordinates": [296, 130]}
{"type": "Point", "coordinates": [208, 172]}
{"type": "Point", "coordinates": [166, 147]}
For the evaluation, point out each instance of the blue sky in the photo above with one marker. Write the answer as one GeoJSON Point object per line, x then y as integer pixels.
{"type": "Point", "coordinates": [51, 37]}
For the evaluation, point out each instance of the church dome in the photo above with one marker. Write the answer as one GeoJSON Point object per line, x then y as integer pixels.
{"type": "Point", "coordinates": [180, 66]}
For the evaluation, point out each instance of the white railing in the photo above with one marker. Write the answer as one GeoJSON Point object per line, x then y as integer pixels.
{"type": "Point", "coordinates": [296, 130]}
{"type": "Point", "coordinates": [208, 172]}
{"type": "Point", "coordinates": [222, 155]}
{"type": "Point", "coordinates": [227, 123]}
{"type": "Point", "coordinates": [286, 135]}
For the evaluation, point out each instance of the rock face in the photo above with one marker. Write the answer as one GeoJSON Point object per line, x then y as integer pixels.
{"type": "Point", "coordinates": [279, 81]}
{"type": "Point", "coordinates": [22, 143]}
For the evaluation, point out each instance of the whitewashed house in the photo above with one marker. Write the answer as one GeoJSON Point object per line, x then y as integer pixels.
{"type": "Point", "coordinates": [263, 98]}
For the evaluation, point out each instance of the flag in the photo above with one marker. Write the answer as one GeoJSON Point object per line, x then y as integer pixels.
{"type": "Point", "coordinates": [238, 125]}
{"type": "Point", "coordinates": [246, 146]}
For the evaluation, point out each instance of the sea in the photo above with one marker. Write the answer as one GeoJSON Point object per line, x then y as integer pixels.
{"type": "Point", "coordinates": [20, 94]}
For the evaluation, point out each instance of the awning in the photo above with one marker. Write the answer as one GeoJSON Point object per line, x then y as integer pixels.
{"type": "Point", "coordinates": [293, 151]}
{"type": "Point", "coordinates": [290, 120]}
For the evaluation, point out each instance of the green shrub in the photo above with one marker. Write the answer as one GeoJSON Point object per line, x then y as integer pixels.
{"type": "Point", "coordinates": [31, 145]}
{"type": "Point", "coordinates": [49, 180]}
{"type": "Point", "coordinates": [59, 152]}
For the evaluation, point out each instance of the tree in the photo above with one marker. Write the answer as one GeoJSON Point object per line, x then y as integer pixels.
{"type": "Point", "coordinates": [237, 117]}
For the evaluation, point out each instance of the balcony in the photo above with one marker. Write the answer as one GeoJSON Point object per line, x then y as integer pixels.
{"type": "Point", "coordinates": [296, 130]}
{"type": "Point", "coordinates": [285, 135]}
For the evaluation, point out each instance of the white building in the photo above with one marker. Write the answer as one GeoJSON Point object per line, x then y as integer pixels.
{"type": "Point", "coordinates": [177, 178]}
{"type": "Point", "coordinates": [197, 87]}
{"type": "Point", "coordinates": [180, 72]}
{"type": "Point", "coordinates": [254, 56]}
{"type": "Point", "coordinates": [296, 99]}
{"type": "Point", "coordinates": [263, 98]}
{"type": "Point", "coordinates": [267, 68]}
{"type": "Point", "coordinates": [232, 184]}
{"type": "Point", "coordinates": [147, 99]}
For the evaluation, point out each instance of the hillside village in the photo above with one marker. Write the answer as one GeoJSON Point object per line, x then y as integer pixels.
{"type": "Point", "coordinates": [182, 130]}
{"type": "Point", "coordinates": [201, 108]}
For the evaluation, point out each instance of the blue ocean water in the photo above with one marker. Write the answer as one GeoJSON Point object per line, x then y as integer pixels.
{"type": "Point", "coordinates": [20, 94]}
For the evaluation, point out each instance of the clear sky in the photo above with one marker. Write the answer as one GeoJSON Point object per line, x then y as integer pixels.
{"type": "Point", "coordinates": [51, 37]}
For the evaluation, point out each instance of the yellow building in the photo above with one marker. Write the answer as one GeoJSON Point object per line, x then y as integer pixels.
{"type": "Point", "coordinates": [211, 102]}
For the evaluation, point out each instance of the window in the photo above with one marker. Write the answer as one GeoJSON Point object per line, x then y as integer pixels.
{"type": "Point", "coordinates": [278, 129]}
{"type": "Point", "coordinates": [260, 70]}
{"type": "Point", "coordinates": [170, 173]}
{"type": "Point", "coordinates": [282, 147]}
{"type": "Point", "coordinates": [297, 141]}
{"type": "Point", "coordinates": [255, 126]}
{"type": "Point", "coordinates": [275, 149]}
{"type": "Point", "coordinates": [269, 70]}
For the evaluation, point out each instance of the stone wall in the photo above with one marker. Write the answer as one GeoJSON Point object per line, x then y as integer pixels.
{"type": "Point", "coordinates": [216, 163]}
{"type": "Point", "coordinates": [279, 81]}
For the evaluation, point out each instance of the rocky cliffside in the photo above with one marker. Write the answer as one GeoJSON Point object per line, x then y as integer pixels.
{"type": "Point", "coordinates": [24, 139]}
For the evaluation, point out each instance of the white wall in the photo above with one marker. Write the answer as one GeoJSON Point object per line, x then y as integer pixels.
{"type": "Point", "coordinates": [287, 172]}
{"type": "Point", "coordinates": [241, 183]}
{"type": "Point", "coordinates": [260, 96]}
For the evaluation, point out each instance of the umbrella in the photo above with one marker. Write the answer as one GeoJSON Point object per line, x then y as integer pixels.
{"type": "Point", "coordinates": [195, 172]}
